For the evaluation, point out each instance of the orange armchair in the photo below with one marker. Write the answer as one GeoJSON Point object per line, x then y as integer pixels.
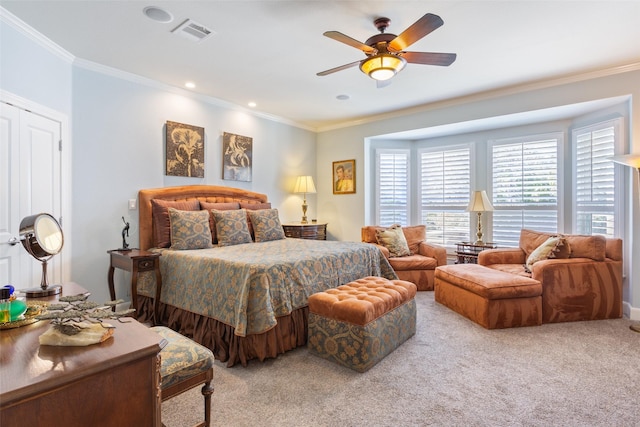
{"type": "Point", "coordinates": [419, 267]}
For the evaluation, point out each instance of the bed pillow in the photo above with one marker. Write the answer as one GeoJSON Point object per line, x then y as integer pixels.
{"type": "Point", "coordinates": [225, 206]}
{"type": "Point", "coordinates": [393, 239]}
{"type": "Point", "coordinates": [266, 225]}
{"type": "Point", "coordinates": [231, 227]}
{"type": "Point", "coordinates": [160, 214]}
{"type": "Point", "coordinates": [253, 207]}
{"type": "Point", "coordinates": [553, 247]}
{"type": "Point", "coordinates": [189, 229]}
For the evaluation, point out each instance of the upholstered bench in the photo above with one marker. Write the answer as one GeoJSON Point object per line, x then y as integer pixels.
{"type": "Point", "coordinates": [184, 365]}
{"type": "Point", "coordinates": [358, 324]}
{"type": "Point", "coordinates": [492, 298]}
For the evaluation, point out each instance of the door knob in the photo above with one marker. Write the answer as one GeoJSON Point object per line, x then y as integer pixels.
{"type": "Point", "coordinates": [13, 241]}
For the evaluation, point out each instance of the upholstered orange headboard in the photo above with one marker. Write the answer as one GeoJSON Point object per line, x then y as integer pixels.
{"type": "Point", "coordinates": [206, 193]}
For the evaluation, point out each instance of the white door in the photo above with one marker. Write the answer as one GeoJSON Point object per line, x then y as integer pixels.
{"type": "Point", "coordinates": [30, 172]}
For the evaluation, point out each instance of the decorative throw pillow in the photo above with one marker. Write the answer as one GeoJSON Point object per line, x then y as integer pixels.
{"type": "Point", "coordinates": [231, 227]}
{"type": "Point", "coordinates": [563, 250]}
{"type": "Point", "coordinates": [189, 229]}
{"type": "Point", "coordinates": [223, 206]}
{"type": "Point", "coordinates": [393, 239]}
{"type": "Point", "coordinates": [253, 207]}
{"type": "Point", "coordinates": [160, 214]}
{"type": "Point", "coordinates": [545, 251]}
{"type": "Point", "coordinates": [266, 225]}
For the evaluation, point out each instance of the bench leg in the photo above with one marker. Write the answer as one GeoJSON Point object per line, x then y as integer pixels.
{"type": "Point", "coordinates": [207, 391]}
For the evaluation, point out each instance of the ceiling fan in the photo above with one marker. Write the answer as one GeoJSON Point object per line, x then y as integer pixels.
{"type": "Point", "coordinates": [385, 52]}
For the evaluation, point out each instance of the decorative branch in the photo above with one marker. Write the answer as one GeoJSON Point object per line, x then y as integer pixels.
{"type": "Point", "coordinates": [68, 315]}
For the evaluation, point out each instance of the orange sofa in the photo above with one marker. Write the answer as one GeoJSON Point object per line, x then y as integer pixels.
{"type": "Point", "coordinates": [586, 284]}
{"type": "Point", "coordinates": [419, 267]}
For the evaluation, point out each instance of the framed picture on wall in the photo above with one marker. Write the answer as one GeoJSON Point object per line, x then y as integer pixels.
{"type": "Point", "coordinates": [237, 155]}
{"type": "Point", "coordinates": [184, 150]}
{"type": "Point", "coordinates": [344, 177]}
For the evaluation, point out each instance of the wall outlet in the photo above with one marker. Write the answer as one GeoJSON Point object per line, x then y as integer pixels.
{"type": "Point", "coordinates": [132, 204]}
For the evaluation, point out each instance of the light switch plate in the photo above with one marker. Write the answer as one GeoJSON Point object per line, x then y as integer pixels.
{"type": "Point", "coordinates": [132, 204]}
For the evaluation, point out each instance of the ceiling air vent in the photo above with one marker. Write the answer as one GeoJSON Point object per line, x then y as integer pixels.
{"type": "Point", "coordinates": [193, 31]}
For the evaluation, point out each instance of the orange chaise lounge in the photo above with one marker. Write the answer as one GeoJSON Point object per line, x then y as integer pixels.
{"type": "Point", "coordinates": [580, 279]}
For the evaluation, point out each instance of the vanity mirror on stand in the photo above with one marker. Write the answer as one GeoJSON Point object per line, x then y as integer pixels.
{"type": "Point", "coordinates": [42, 237]}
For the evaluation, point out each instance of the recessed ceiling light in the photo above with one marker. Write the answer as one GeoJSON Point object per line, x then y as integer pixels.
{"type": "Point", "coordinates": [343, 97]}
{"type": "Point", "coordinates": [190, 85]}
{"type": "Point", "coordinates": [252, 104]}
{"type": "Point", "coordinates": [157, 14]}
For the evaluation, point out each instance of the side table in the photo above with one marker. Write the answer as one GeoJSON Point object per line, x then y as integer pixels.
{"type": "Point", "coordinates": [312, 230]}
{"type": "Point", "coordinates": [467, 252]}
{"type": "Point", "coordinates": [136, 261]}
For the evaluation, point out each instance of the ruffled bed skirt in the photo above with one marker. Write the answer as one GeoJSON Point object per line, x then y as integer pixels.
{"type": "Point", "coordinates": [289, 333]}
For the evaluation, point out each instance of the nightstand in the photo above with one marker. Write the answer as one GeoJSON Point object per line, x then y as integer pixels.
{"type": "Point", "coordinates": [136, 261]}
{"type": "Point", "coordinates": [467, 252]}
{"type": "Point", "coordinates": [311, 231]}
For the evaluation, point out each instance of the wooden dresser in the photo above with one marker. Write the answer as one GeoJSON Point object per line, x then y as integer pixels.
{"type": "Point", "coordinates": [114, 383]}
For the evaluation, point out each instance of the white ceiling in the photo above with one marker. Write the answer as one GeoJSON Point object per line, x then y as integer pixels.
{"type": "Point", "coordinates": [269, 52]}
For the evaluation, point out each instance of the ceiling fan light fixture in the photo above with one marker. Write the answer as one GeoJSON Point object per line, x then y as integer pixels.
{"type": "Point", "coordinates": [382, 66]}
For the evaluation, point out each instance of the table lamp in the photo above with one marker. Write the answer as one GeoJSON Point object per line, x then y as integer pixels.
{"type": "Point", "coordinates": [633, 161]}
{"type": "Point", "coordinates": [479, 203]}
{"type": "Point", "coordinates": [304, 184]}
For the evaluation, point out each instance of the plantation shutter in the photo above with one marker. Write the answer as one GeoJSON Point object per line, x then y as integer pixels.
{"type": "Point", "coordinates": [393, 187]}
{"type": "Point", "coordinates": [594, 180]}
{"type": "Point", "coordinates": [444, 195]}
{"type": "Point", "coordinates": [525, 188]}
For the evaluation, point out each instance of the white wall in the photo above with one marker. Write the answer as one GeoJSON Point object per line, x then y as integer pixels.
{"type": "Point", "coordinates": [119, 149]}
{"type": "Point", "coordinates": [31, 70]}
{"type": "Point", "coordinates": [346, 214]}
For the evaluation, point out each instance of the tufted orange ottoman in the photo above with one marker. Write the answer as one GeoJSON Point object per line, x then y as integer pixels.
{"type": "Point", "coordinates": [358, 324]}
{"type": "Point", "coordinates": [492, 298]}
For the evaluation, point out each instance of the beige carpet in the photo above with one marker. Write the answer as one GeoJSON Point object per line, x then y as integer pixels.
{"type": "Point", "coordinates": [451, 373]}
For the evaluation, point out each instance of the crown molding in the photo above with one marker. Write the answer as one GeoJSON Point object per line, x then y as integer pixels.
{"type": "Point", "coordinates": [22, 27]}
{"type": "Point", "coordinates": [489, 94]}
{"type": "Point", "coordinates": [135, 78]}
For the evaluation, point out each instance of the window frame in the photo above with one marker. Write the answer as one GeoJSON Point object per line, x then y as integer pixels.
{"type": "Point", "coordinates": [560, 139]}
{"type": "Point", "coordinates": [419, 203]}
{"type": "Point", "coordinates": [377, 174]}
{"type": "Point", "coordinates": [617, 124]}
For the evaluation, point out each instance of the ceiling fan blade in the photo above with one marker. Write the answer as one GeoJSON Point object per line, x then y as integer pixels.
{"type": "Point", "coordinates": [338, 36]}
{"type": "Point", "coordinates": [340, 68]}
{"type": "Point", "coordinates": [429, 58]}
{"type": "Point", "coordinates": [415, 32]}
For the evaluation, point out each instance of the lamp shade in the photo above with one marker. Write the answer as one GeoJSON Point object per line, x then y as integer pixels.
{"type": "Point", "coordinates": [382, 66]}
{"type": "Point", "coordinates": [304, 184]}
{"type": "Point", "coordinates": [632, 160]}
{"type": "Point", "coordinates": [479, 202]}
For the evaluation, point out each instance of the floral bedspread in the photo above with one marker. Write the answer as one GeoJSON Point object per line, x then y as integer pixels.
{"type": "Point", "coordinates": [248, 286]}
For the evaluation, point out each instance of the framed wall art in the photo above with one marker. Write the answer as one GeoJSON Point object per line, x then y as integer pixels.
{"type": "Point", "coordinates": [344, 177]}
{"type": "Point", "coordinates": [237, 157]}
{"type": "Point", "coordinates": [184, 150]}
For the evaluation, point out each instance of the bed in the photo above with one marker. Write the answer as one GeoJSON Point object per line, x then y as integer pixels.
{"type": "Point", "coordinates": [243, 301]}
